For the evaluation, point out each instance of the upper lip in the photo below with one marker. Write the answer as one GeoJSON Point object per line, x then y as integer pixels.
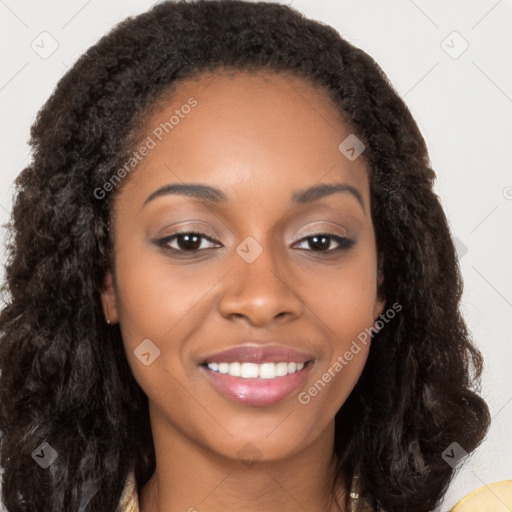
{"type": "Point", "coordinates": [256, 353]}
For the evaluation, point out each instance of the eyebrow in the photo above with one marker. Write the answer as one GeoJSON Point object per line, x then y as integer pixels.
{"type": "Point", "coordinates": [215, 195]}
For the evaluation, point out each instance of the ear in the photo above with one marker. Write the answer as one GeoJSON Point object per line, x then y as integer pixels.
{"type": "Point", "coordinates": [380, 301]}
{"type": "Point", "coordinates": [378, 308]}
{"type": "Point", "coordinates": [109, 299]}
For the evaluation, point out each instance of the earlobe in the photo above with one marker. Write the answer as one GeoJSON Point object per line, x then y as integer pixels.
{"type": "Point", "coordinates": [379, 308]}
{"type": "Point", "coordinates": [108, 299]}
{"type": "Point", "coordinates": [381, 301]}
{"type": "Point", "coordinates": [380, 272]}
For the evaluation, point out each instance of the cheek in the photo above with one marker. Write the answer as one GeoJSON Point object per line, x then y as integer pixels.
{"type": "Point", "coordinates": [345, 297]}
{"type": "Point", "coordinates": [348, 314]}
{"type": "Point", "coordinates": [164, 303]}
{"type": "Point", "coordinates": [344, 301]}
{"type": "Point", "coordinates": [154, 296]}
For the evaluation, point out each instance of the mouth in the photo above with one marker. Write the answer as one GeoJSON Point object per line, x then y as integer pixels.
{"type": "Point", "coordinates": [257, 375]}
{"type": "Point", "coordinates": [266, 370]}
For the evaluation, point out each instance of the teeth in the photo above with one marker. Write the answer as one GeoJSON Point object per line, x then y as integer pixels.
{"type": "Point", "coordinates": [249, 371]}
{"type": "Point", "coordinates": [253, 370]}
{"type": "Point", "coordinates": [267, 371]}
{"type": "Point", "coordinates": [281, 369]}
{"type": "Point", "coordinates": [235, 369]}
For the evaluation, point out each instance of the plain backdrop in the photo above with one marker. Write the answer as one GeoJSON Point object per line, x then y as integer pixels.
{"type": "Point", "coordinates": [449, 61]}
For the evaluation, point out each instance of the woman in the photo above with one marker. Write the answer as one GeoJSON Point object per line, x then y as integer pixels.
{"type": "Point", "coordinates": [231, 284]}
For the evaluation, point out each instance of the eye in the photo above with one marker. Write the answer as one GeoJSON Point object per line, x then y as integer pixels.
{"type": "Point", "coordinates": [186, 241]}
{"type": "Point", "coordinates": [192, 241]}
{"type": "Point", "coordinates": [321, 242]}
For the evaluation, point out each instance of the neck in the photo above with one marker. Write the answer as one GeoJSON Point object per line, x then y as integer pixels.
{"type": "Point", "coordinates": [190, 477]}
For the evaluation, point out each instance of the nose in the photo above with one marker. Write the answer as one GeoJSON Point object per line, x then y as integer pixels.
{"type": "Point", "coordinates": [261, 292]}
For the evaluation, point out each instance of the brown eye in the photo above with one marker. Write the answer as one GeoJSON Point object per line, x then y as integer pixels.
{"type": "Point", "coordinates": [186, 241]}
{"type": "Point", "coordinates": [321, 242]}
{"type": "Point", "coordinates": [189, 242]}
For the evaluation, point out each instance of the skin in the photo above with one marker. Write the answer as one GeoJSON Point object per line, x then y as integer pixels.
{"type": "Point", "coordinates": [259, 138]}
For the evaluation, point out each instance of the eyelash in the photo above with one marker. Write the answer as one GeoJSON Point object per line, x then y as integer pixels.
{"type": "Point", "coordinates": [343, 243]}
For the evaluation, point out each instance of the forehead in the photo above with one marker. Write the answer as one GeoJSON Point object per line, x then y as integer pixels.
{"type": "Point", "coordinates": [261, 130]}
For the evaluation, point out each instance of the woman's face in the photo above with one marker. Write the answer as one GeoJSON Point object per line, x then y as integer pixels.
{"type": "Point", "coordinates": [260, 279]}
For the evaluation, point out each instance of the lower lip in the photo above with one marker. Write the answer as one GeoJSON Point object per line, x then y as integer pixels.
{"type": "Point", "coordinates": [256, 392]}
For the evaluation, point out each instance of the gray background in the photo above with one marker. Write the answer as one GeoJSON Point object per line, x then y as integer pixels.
{"type": "Point", "coordinates": [461, 99]}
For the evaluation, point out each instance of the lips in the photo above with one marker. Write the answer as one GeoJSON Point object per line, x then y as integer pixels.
{"type": "Point", "coordinates": [258, 354]}
{"type": "Point", "coordinates": [257, 375]}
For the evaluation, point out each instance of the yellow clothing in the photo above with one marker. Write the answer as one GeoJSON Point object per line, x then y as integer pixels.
{"type": "Point", "coordinates": [129, 500]}
{"type": "Point", "coordinates": [496, 497]}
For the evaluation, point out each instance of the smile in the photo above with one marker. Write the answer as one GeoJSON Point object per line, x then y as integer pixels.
{"type": "Point", "coordinates": [257, 375]}
{"type": "Point", "coordinates": [255, 371]}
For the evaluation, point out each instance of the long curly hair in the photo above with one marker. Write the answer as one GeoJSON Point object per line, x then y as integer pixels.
{"type": "Point", "coordinates": [65, 379]}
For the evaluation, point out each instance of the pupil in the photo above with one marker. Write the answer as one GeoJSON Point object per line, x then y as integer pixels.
{"type": "Point", "coordinates": [324, 244]}
{"type": "Point", "coordinates": [189, 242]}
